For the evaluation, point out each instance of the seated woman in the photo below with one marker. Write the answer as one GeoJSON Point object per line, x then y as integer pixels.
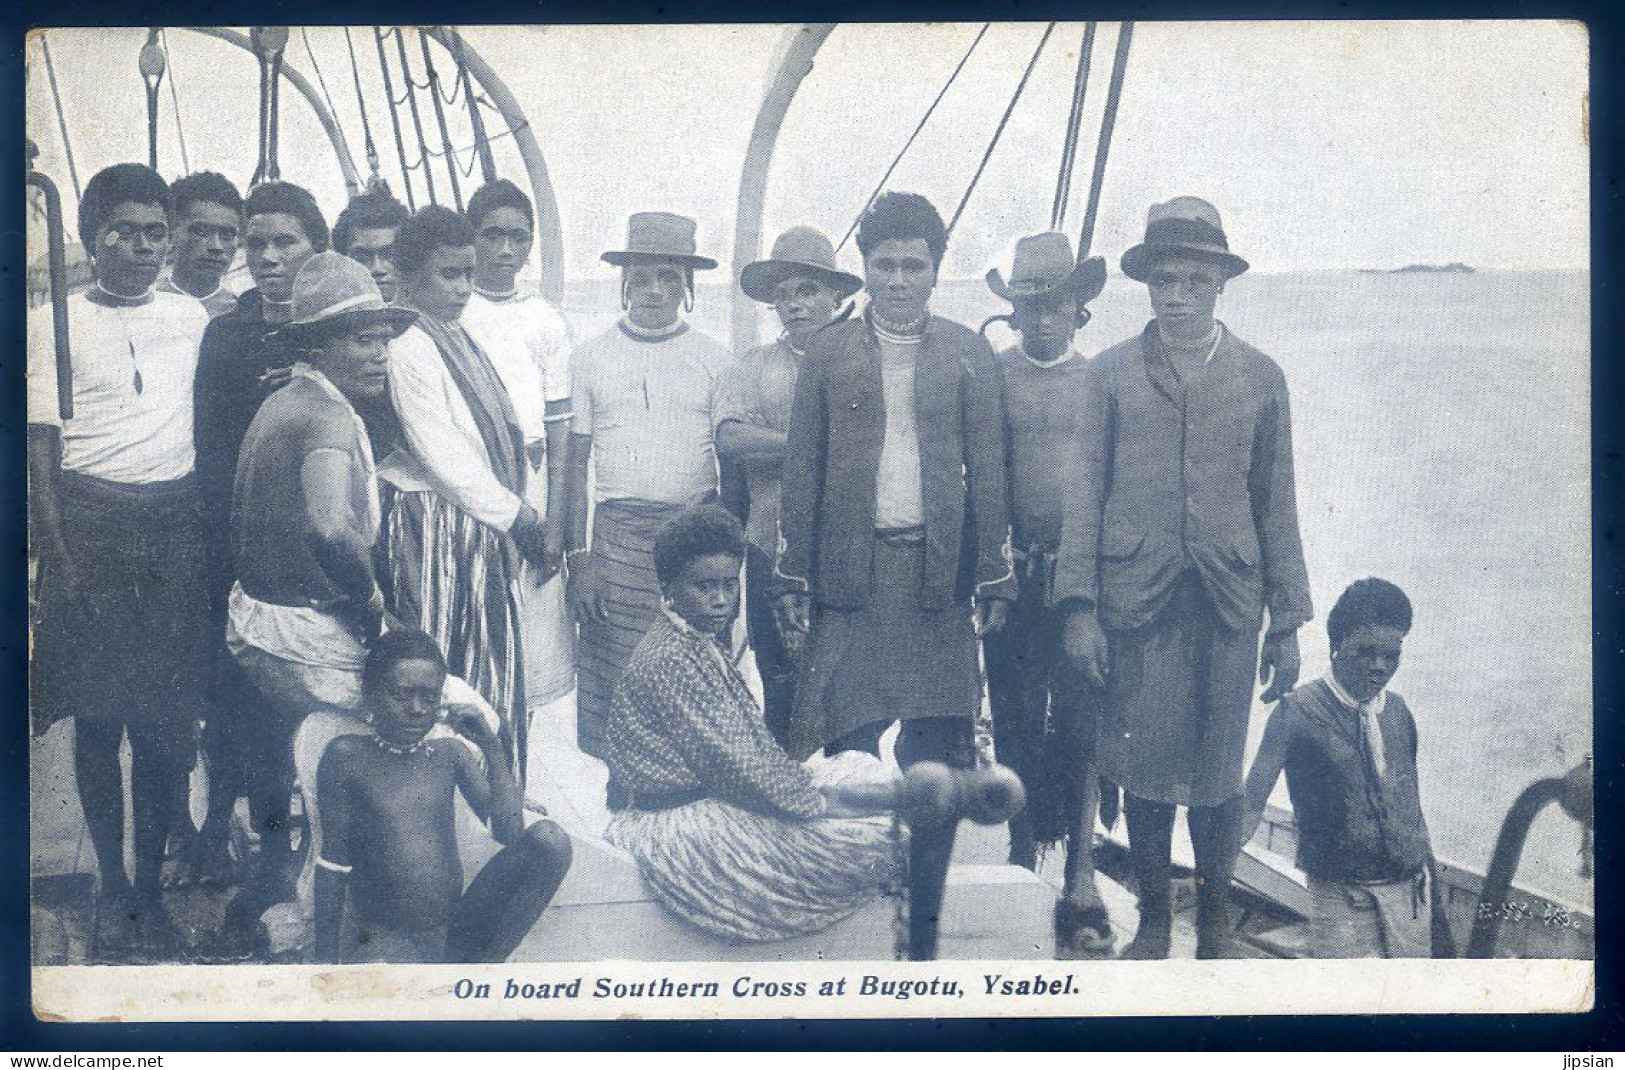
{"type": "Point", "coordinates": [729, 833]}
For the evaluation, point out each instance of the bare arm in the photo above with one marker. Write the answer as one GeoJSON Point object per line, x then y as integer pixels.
{"type": "Point", "coordinates": [859, 799]}
{"type": "Point", "coordinates": [585, 590]}
{"type": "Point", "coordinates": [558, 486]}
{"type": "Point", "coordinates": [579, 488]}
{"type": "Point", "coordinates": [494, 797]}
{"type": "Point", "coordinates": [751, 444]}
{"type": "Point", "coordinates": [1266, 769]}
{"type": "Point", "coordinates": [333, 866]}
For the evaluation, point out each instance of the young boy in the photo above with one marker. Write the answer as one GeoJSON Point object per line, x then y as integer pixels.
{"type": "Point", "coordinates": [1348, 748]}
{"type": "Point", "coordinates": [1044, 715]}
{"type": "Point", "coordinates": [389, 827]}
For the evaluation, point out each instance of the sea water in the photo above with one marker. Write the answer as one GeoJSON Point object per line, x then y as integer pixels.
{"type": "Point", "coordinates": [1441, 431]}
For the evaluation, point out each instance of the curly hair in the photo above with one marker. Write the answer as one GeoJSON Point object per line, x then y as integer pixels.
{"type": "Point", "coordinates": [696, 532]}
{"type": "Point", "coordinates": [375, 208]}
{"type": "Point", "coordinates": [394, 647]}
{"type": "Point", "coordinates": [1368, 601]}
{"type": "Point", "coordinates": [203, 187]}
{"type": "Point", "coordinates": [903, 216]}
{"type": "Point", "coordinates": [426, 231]}
{"type": "Point", "coordinates": [122, 183]}
{"type": "Point", "coordinates": [269, 198]}
{"type": "Point", "coordinates": [499, 193]}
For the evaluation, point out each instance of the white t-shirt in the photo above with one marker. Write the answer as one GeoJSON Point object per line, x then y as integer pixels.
{"type": "Point", "coordinates": [133, 368]}
{"type": "Point", "coordinates": [650, 408]}
{"type": "Point", "coordinates": [529, 343]}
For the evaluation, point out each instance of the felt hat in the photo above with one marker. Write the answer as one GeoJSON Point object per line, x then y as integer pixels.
{"type": "Point", "coordinates": [1044, 264]}
{"type": "Point", "coordinates": [1184, 226]}
{"type": "Point", "coordinates": [330, 286]}
{"type": "Point", "coordinates": [798, 251]}
{"type": "Point", "coordinates": [658, 237]}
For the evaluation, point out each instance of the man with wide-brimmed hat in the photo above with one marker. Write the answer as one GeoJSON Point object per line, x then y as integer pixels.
{"type": "Point", "coordinates": [305, 517]}
{"type": "Point", "coordinates": [643, 401]}
{"type": "Point", "coordinates": [802, 283]}
{"type": "Point", "coordinates": [1180, 530]}
{"type": "Point", "coordinates": [1043, 714]}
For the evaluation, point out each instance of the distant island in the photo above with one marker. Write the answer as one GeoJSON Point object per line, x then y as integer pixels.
{"type": "Point", "coordinates": [1453, 268]}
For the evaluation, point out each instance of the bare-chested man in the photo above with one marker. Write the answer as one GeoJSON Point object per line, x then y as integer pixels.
{"type": "Point", "coordinates": [389, 822]}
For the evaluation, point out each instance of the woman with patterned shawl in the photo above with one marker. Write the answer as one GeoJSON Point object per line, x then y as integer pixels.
{"type": "Point", "coordinates": [729, 833]}
{"type": "Point", "coordinates": [458, 523]}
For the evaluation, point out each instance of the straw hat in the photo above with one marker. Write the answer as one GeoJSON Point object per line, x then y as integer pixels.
{"type": "Point", "coordinates": [1043, 265]}
{"type": "Point", "coordinates": [658, 237]}
{"type": "Point", "coordinates": [1184, 226]}
{"type": "Point", "coordinates": [798, 251]}
{"type": "Point", "coordinates": [330, 286]}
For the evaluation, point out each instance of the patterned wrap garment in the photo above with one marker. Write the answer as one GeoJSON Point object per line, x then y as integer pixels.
{"type": "Point", "coordinates": [748, 855]}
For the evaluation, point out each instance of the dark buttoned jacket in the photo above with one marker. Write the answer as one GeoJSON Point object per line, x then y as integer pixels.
{"type": "Point", "coordinates": [1172, 475]}
{"type": "Point", "coordinates": [837, 428]}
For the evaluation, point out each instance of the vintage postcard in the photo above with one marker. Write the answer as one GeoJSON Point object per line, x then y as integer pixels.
{"type": "Point", "coordinates": [820, 520]}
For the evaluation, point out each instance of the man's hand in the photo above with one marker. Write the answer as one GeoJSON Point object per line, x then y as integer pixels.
{"type": "Point", "coordinates": [1279, 665]}
{"type": "Point", "coordinates": [528, 535]}
{"type": "Point", "coordinates": [552, 548]}
{"type": "Point", "coordinates": [586, 589]}
{"type": "Point", "coordinates": [1086, 646]}
{"type": "Point", "coordinates": [792, 612]}
{"type": "Point", "coordinates": [276, 378]}
{"type": "Point", "coordinates": [991, 615]}
{"type": "Point", "coordinates": [469, 721]}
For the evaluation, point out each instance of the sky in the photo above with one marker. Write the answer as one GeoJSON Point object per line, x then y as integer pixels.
{"type": "Point", "coordinates": [1324, 144]}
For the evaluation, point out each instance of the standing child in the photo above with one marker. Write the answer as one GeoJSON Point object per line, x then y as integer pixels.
{"type": "Point", "coordinates": [1348, 747]}
{"type": "Point", "coordinates": [1044, 711]}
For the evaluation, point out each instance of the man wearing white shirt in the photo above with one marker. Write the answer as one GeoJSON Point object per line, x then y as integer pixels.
{"type": "Point", "coordinates": [115, 522]}
{"type": "Point", "coordinates": [458, 520]}
{"type": "Point", "coordinates": [644, 411]}
{"type": "Point", "coordinates": [528, 342]}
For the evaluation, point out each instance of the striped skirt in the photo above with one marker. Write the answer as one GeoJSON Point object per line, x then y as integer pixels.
{"type": "Point", "coordinates": [623, 542]}
{"type": "Point", "coordinates": [450, 575]}
{"type": "Point", "coordinates": [749, 876]}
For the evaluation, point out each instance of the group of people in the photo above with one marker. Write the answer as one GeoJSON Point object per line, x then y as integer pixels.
{"type": "Point", "coordinates": [359, 521]}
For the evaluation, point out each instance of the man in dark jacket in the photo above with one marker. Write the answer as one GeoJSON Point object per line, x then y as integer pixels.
{"type": "Point", "coordinates": [238, 368]}
{"type": "Point", "coordinates": [893, 520]}
{"type": "Point", "coordinates": [1180, 529]}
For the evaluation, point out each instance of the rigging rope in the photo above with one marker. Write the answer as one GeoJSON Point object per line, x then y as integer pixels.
{"type": "Point", "coordinates": [440, 118]}
{"type": "Point", "coordinates": [361, 103]}
{"type": "Point", "coordinates": [175, 102]}
{"type": "Point", "coordinates": [1074, 128]}
{"type": "Point", "coordinates": [304, 36]}
{"type": "Point", "coordinates": [417, 118]}
{"type": "Point", "coordinates": [61, 119]}
{"type": "Point", "coordinates": [1114, 96]}
{"type": "Point", "coordinates": [394, 117]}
{"type": "Point", "coordinates": [482, 142]}
{"type": "Point", "coordinates": [918, 127]}
{"type": "Point", "coordinates": [998, 131]}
